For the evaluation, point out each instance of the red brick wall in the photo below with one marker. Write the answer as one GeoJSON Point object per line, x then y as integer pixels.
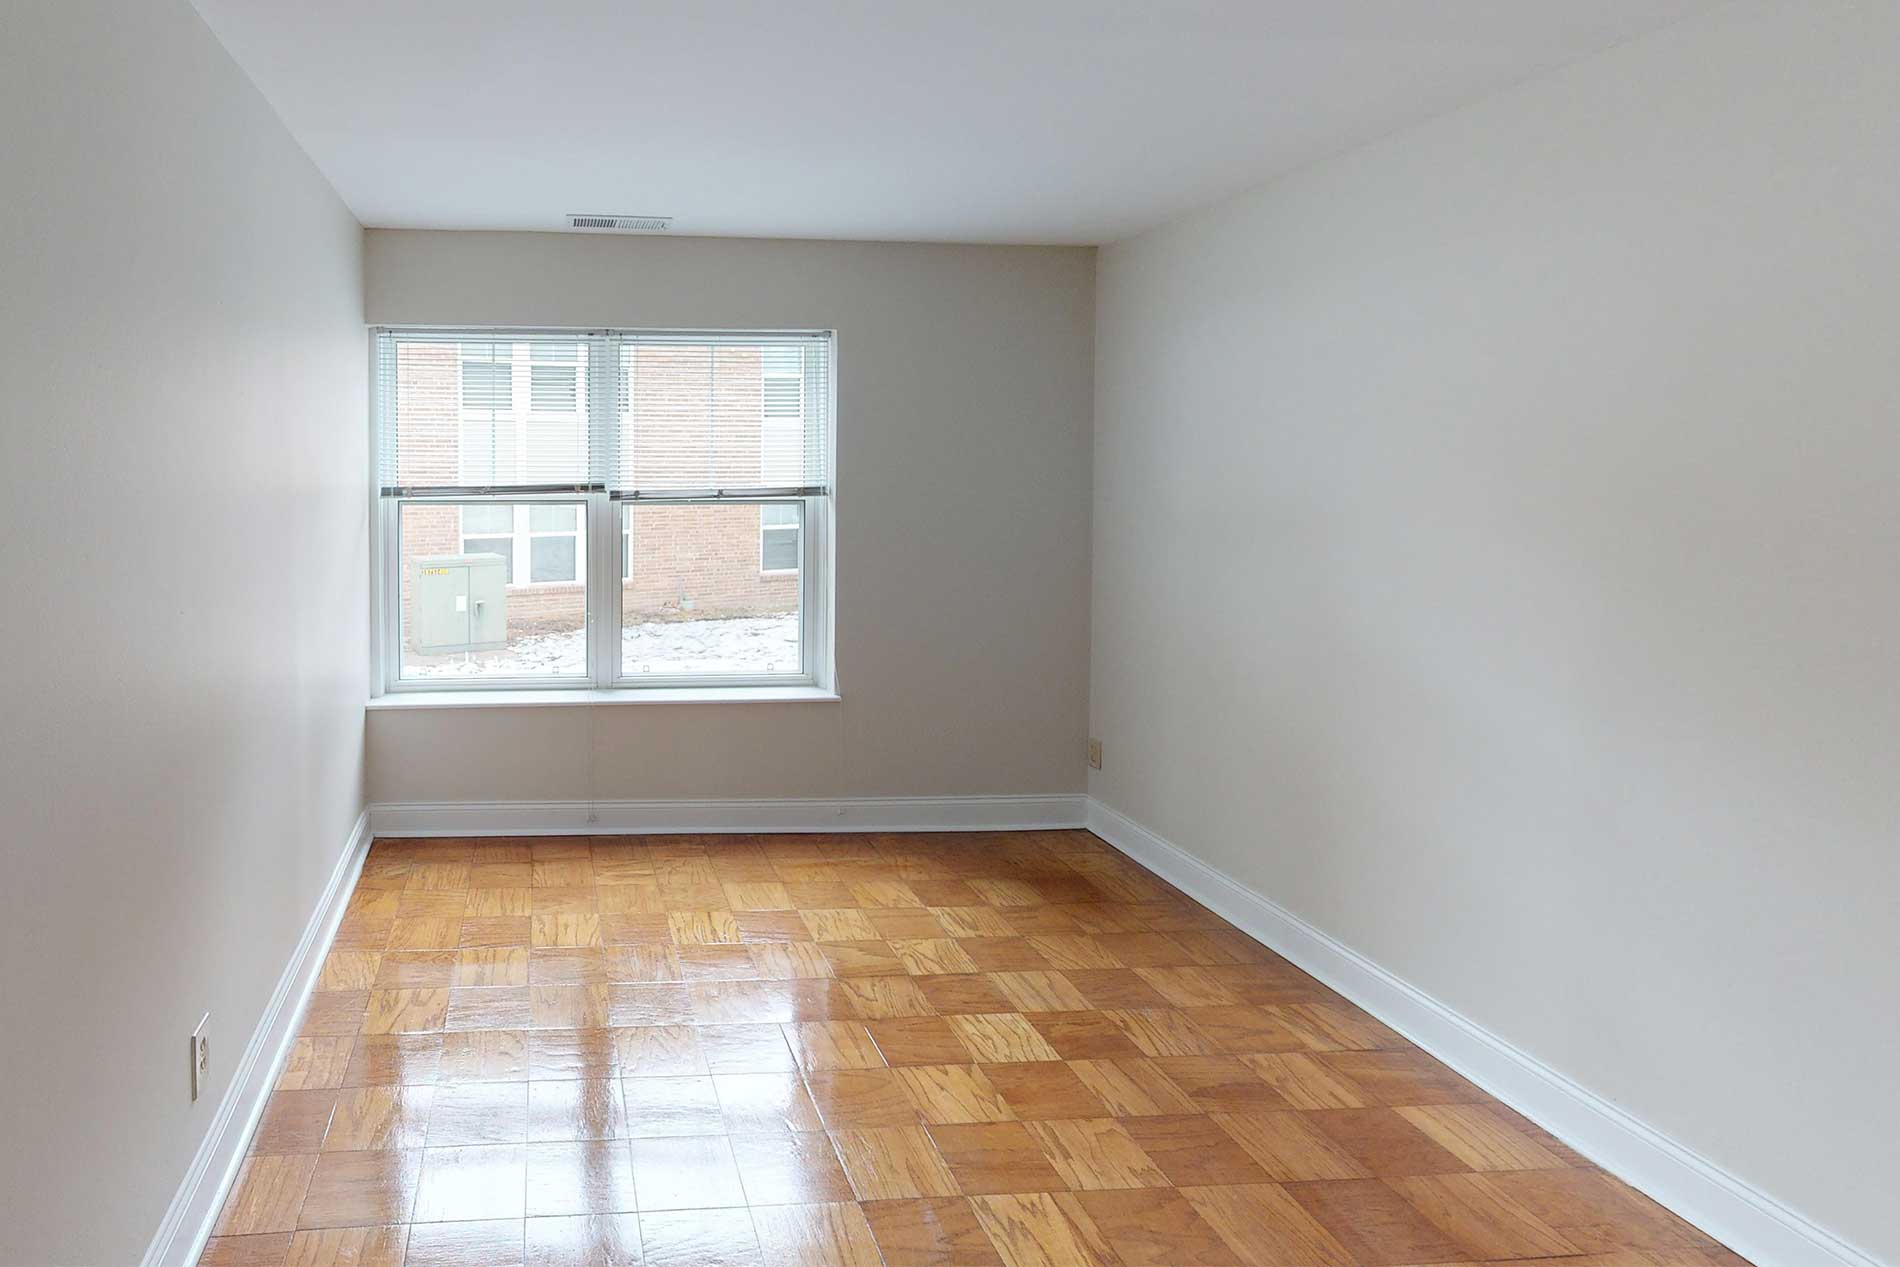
{"type": "Point", "coordinates": [700, 561]}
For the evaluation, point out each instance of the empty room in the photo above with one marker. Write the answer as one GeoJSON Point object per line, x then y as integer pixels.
{"type": "Point", "coordinates": [1056, 633]}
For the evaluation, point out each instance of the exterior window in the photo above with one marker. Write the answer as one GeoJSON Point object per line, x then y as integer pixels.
{"type": "Point", "coordinates": [541, 543]}
{"type": "Point", "coordinates": [490, 529]}
{"type": "Point", "coordinates": [553, 543]}
{"type": "Point", "coordinates": [553, 378]}
{"type": "Point", "coordinates": [782, 429]}
{"type": "Point", "coordinates": [522, 411]}
{"type": "Point", "coordinates": [778, 537]}
{"type": "Point", "coordinates": [509, 460]}
{"type": "Point", "coordinates": [487, 384]}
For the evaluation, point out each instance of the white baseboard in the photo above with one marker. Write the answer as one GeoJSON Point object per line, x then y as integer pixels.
{"type": "Point", "coordinates": [582, 818]}
{"type": "Point", "coordinates": [1747, 1220]}
{"type": "Point", "coordinates": [188, 1220]}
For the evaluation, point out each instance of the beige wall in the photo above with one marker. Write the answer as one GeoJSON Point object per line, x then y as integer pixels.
{"type": "Point", "coordinates": [1559, 438]}
{"type": "Point", "coordinates": [962, 518]}
{"type": "Point", "coordinates": [182, 485]}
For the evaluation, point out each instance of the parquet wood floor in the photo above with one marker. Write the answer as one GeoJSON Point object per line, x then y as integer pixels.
{"type": "Point", "coordinates": [920, 1050]}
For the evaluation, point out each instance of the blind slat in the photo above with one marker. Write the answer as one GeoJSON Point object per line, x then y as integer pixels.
{"type": "Point", "coordinates": [637, 413]}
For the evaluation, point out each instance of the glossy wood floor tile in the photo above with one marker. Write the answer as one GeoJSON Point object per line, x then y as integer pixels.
{"type": "Point", "coordinates": [1002, 1037]}
{"type": "Point", "coordinates": [1034, 1230]}
{"type": "Point", "coordinates": [797, 1168]}
{"type": "Point", "coordinates": [349, 1247]}
{"type": "Point", "coordinates": [1132, 1087]}
{"type": "Point", "coordinates": [266, 1196]}
{"type": "Point", "coordinates": [361, 1189]}
{"type": "Point", "coordinates": [881, 1050]}
{"type": "Point", "coordinates": [918, 1040]}
{"type": "Point", "coordinates": [930, 1232]}
{"type": "Point", "coordinates": [686, 1172]}
{"type": "Point", "coordinates": [1375, 1223]}
{"type": "Point", "coordinates": [1384, 1143]}
{"type": "Point", "coordinates": [1290, 1148]}
{"type": "Point", "coordinates": [831, 1235]}
{"type": "Point", "coordinates": [476, 1243]}
{"type": "Point", "coordinates": [294, 1122]}
{"type": "Point", "coordinates": [264, 1249]}
{"type": "Point", "coordinates": [699, 1238]}
{"type": "Point", "coordinates": [1265, 1227]}
{"type": "Point", "coordinates": [1192, 1150]}
{"type": "Point", "coordinates": [472, 1182]}
{"type": "Point", "coordinates": [1157, 1227]}
{"type": "Point", "coordinates": [955, 1093]}
{"type": "Point", "coordinates": [848, 1098]}
{"type": "Point", "coordinates": [390, 1116]}
{"type": "Point", "coordinates": [1489, 1137]}
{"type": "Point", "coordinates": [316, 1063]}
{"type": "Point", "coordinates": [1481, 1217]}
{"type": "Point", "coordinates": [583, 1240]}
{"type": "Point", "coordinates": [765, 1103]}
{"type": "Point", "coordinates": [990, 1157]}
{"type": "Point", "coordinates": [672, 1106]}
{"type": "Point", "coordinates": [593, 1176]}
{"type": "Point", "coordinates": [1096, 1153]}
{"type": "Point", "coordinates": [886, 1163]}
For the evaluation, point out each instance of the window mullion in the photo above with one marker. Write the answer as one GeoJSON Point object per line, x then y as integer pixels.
{"type": "Point", "coordinates": [600, 608]}
{"type": "Point", "coordinates": [603, 533]}
{"type": "Point", "coordinates": [390, 530]}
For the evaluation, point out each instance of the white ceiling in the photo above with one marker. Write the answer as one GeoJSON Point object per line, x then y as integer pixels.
{"type": "Point", "coordinates": [964, 120]}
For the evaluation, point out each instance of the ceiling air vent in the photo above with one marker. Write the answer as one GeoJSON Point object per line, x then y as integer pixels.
{"type": "Point", "coordinates": [621, 224]}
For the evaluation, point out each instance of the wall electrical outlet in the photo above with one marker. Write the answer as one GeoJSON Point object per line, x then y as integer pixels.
{"type": "Point", "coordinates": [200, 1056]}
{"type": "Point", "coordinates": [1095, 754]}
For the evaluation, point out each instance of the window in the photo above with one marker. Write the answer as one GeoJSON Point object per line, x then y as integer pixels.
{"type": "Point", "coordinates": [487, 384]}
{"type": "Point", "coordinates": [554, 549]}
{"type": "Point", "coordinates": [538, 544]}
{"type": "Point", "coordinates": [610, 509]}
{"type": "Point", "coordinates": [490, 529]}
{"type": "Point", "coordinates": [783, 423]}
{"type": "Point", "coordinates": [553, 378]}
{"type": "Point", "coordinates": [778, 537]}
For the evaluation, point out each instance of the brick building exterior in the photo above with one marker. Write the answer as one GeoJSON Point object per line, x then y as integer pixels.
{"type": "Point", "coordinates": [512, 413]}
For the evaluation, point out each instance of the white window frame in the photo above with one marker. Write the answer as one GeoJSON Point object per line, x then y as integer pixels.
{"type": "Point", "coordinates": [601, 570]}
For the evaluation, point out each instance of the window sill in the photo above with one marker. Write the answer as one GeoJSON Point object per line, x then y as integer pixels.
{"type": "Point", "coordinates": [574, 698]}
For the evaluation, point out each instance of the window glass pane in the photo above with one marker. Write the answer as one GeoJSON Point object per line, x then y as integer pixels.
{"type": "Point", "coordinates": [784, 397]}
{"type": "Point", "coordinates": [694, 600]}
{"type": "Point", "coordinates": [504, 546]}
{"type": "Point", "coordinates": [778, 551]}
{"type": "Point", "coordinates": [486, 454]}
{"type": "Point", "coordinates": [487, 519]}
{"type": "Point", "coordinates": [551, 518]}
{"type": "Point", "coordinates": [551, 559]}
{"type": "Point", "coordinates": [552, 388]}
{"type": "Point", "coordinates": [778, 514]}
{"type": "Point", "coordinates": [781, 358]}
{"type": "Point", "coordinates": [487, 385]}
{"type": "Point", "coordinates": [464, 615]}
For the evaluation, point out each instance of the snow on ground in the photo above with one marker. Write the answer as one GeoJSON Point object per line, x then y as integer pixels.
{"type": "Point", "coordinates": [746, 644]}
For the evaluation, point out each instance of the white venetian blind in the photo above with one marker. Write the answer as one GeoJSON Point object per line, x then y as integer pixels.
{"type": "Point", "coordinates": [635, 413]}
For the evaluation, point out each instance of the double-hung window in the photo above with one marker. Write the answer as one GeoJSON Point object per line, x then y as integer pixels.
{"type": "Point", "coordinates": [603, 509]}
